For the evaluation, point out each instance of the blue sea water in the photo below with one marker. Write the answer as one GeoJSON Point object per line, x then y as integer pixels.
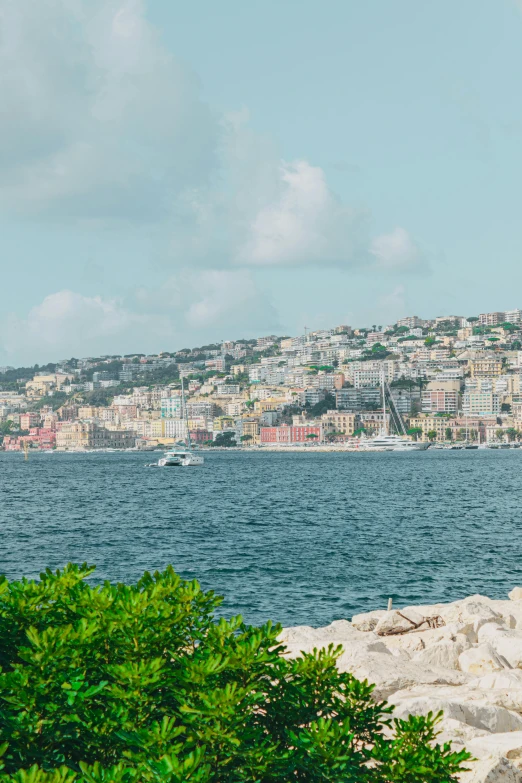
{"type": "Point", "coordinates": [298, 538]}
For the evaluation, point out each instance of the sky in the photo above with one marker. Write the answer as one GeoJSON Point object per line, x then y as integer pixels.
{"type": "Point", "coordinates": [173, 174]}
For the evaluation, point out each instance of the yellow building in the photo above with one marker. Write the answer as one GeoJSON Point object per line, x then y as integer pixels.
{"type": "Point", "coordinates": [251, 427]}
{"type": "Point", "coordinates": [485, 368]}
{"type": "Point", "coordinates": [339, 421]}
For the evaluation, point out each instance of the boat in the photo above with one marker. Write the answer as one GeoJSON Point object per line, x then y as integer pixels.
{"type": "Point", "coordinates": [384, 441]}
{"type": "Point", "coordinates": [184, 458]}
{"type": "Point", "coordinates": [471, 446]}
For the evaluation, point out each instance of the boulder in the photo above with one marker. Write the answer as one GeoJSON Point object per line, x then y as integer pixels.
{"type": "Point", "coordinates": [516, 594]}
{"type": "Point", "coordinates": [390, 673]}
{"type": "Point", "coordinates": [507, 643]}
{"type": "Point", "coordinates": [368, 620]}
{"type": "Point", "coordinates": [481, 659]}
{"type": "Point", "coordinates": [459, 734]}
{"type": "Point", "coordinates": [507, 745]}
{"type": "Point", "coordinates": [444, 654]}
{"type": "Point", "coordinates": [509, 678]}
{"type": "Point", "coordinates": [492, 770]}
{"type": "Point", "coordinates": [399, 621]}
{"type": "Point", "coordinates": [457, 703]}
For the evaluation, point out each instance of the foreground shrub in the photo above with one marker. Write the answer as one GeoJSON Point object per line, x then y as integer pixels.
{"type": "Point", "coordinates": [140, 683]}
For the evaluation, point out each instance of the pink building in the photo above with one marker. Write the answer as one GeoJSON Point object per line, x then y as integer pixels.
{"type": "Point", "coordinates": [291, 434]}
{"type": "Point", "coordinates": [29, 420]}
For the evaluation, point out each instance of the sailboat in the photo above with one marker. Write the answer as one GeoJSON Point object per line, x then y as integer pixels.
{"type": "Point", "coordinates": [384, 441]}
{"type": "Point", "coordinates": [184, 458]}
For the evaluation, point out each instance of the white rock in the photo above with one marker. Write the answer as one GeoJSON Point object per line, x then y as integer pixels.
{"type": "Point", "coordinates": [507, 745]}
{"type": "Point", "coordinates": [492, 770]}
{"type": "Point", "coordinates": [456, 703]}
{"type": "Point", "coordinates": [459, 734]}
{"type": "Point", "coordinates": [445, 654]}
{"type": "Point", "coordinates": [390, 674]}
{"type": "Point", "coordinates": [481, 660]}
{"type": "Point", "coordinates": [368, 620]}
{"type": "Point", "coordinates": [509, 678]}
{"type": "Point", "coordinates": [516, 594]}
{"type": "Point", "coordinates": [399, 621]}
{"type": "Point", "coordinates": [506, 643]}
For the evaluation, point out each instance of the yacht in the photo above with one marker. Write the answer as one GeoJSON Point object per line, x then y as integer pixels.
{"type": "Point", "coordinates": [385, 442]}
{"type": "Point", "coordinates": [184, 458]}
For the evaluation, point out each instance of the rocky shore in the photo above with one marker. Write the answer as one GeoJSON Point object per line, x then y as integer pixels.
{"type": "Point", "coordinates": [464, 658]}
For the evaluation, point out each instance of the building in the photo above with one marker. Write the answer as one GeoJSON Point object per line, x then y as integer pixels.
{"type": "Point", "coordinates": [251, 429]}
{"type": "Point", "coordinates": [412, 322]}
{"type": "Point", "coordinates": [491, 319]}
{"type": "Point", "coordinates": [29, 420]}
{"type": "Point", "coordinates": [175, 428]}
{"type": "Point", "coordinates": [358, 399]}
{"type": "Point", "coordinates": [485, 368]}
{"type": "Point", "coordinates": [440, 401]}
{"type": "Point", "coordinates": [89, 435]}
{"type": "Point", "coordinates": [290, 434]}
{"type": "Point", "coordinates": [171, 407]}
{"type": "Point", "coordinates": [481, 403]}
{"type": "Point", "coordinates": [341, 422]}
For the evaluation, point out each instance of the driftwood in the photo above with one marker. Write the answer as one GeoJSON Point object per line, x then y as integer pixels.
{"type": "Point", "coordinates": [431, 622]}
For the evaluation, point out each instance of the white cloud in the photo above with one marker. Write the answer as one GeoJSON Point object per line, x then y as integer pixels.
{"type": "Point", "coordinates": [306, 223]}
{"type": "Point", "coordinates": [99, 119]}
{"type": "Point", "coordinates": [396, 251]}
{"type": "Point", "coordinates": [188, 307]}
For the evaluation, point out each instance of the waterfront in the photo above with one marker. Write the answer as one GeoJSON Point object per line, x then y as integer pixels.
{"type": "Point", "coordinates": [299, 538]}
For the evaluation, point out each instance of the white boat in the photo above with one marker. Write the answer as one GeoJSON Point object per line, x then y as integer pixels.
{"type": "Point", "coordinates": [184, 458]}
{"type": "Point", "coordinates": [385, 442]}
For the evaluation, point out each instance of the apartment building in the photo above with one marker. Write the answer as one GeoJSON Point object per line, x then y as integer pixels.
{"type": "Point", "coordinates": [339, 421]}
{"type": "Point", "coordinates": [290, 434]}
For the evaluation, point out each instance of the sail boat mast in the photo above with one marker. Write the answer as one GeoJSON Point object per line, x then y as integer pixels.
{"type": "Point", "coordinates": [184, 411]}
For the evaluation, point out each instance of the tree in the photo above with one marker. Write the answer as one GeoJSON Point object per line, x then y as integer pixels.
{"type": "Point", "coordinates": [246, 438]}
{"type": "Point", "coordinates": [312, 436]}
{"type": "Point", "coordinates": [359, 432]}
{"type": "Point", "coordinates": [139, 684]}
{"type": "Point", "coordinates": [449, 433]}
{"type": "Point", "coordinates": [415, 432]}
{"type": "Point", "coordinates": [500, 434]}
{"type": "Point", "coordinates": [472, 319]}
{"type": "Point", "coordinates": [328, 404]}
{"type": "Point", "coordinates": [430, 341]}
{"type": "Point", "coordinates": [512, 433]}
{"type": "Point", "coordinates": [432, 434]}
{"type": "Point", "coordinates": [226, 439]}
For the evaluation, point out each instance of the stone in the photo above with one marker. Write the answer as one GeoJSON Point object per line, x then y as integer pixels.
{"type": "Point", "coordinates": [443, 655]}
{"type": "Point", "coordinates": [479, 660]}
{"type": "Point", "coordinates": [390, 674]}
{"type": "Point", "coordinates": [509, 678]}
{"type": "Point", "coordinates": [458, 733]}
{"type": "Point", "coordinates": [508, 745]}
{"type": "Point", "coordinates": [507, 643]}
{"type": "Point", "coordinates": [492, 770]}
{"type": "Point", "coordinates": [457, 703]}
{"type": "Point", "coordinates": [399, 621]}
{"type": "Point", "coordinates": [516, 594]}
{"type": "Point", "coordinates": [368, 620]}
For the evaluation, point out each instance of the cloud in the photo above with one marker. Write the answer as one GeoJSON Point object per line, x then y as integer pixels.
{"type": "Point", "coordinates": [202, 304]}
{"type": "Point", "coordinates": [99, 119]}
{"type": "Point", "coordinates": [305, 224]}
{"type": "Point", "coordinates": [396, 251]}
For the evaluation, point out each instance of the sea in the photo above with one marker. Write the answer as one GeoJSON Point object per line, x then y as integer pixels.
{"type": "Point", "coordinates": [298, 538]}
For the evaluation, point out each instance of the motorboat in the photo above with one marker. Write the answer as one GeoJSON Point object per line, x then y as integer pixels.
{"type": "Point", "coordinates": [385, 442]}
{"type": "Point", "coordinates": [180, 459]}
{"type": "Point", "coordinates": [184, 458]}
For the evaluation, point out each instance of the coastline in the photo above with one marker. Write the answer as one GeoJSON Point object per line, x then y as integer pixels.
{"type": "Point", "coordinates": [464, 658]}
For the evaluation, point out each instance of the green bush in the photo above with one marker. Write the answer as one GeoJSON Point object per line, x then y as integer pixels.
{"type": "Point", "coordinates": [139, 683]}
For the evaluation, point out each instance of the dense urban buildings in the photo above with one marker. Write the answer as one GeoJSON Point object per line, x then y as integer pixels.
{"type": "Point", "coordinates": [449, 378]}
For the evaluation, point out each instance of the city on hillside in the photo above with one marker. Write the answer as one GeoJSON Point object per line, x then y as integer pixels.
{"type": "Point", "coordinates": [450, 379]}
